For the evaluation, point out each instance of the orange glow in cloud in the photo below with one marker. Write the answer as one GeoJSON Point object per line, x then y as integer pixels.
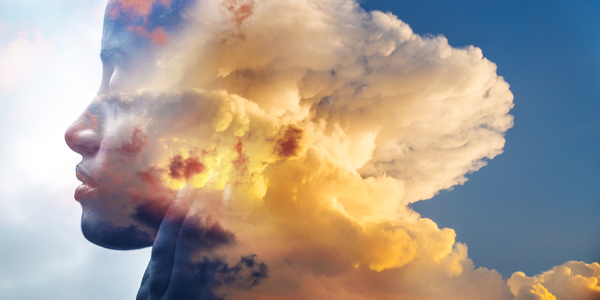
{"type": "Point", "coordinates": [240, 162]}
{"type": "Point", "coordinates": [242, 9]}
{"type": "Point", "coordinates": [157, 37]}
{"type": "Point", "coordinates": [185, 168]}
{"type": "Point", "coordinates": [137, 142]}
{"type": "Point", "coordinates": [139, 7]}
{"type": "Point", "coordinates": [289, 145]}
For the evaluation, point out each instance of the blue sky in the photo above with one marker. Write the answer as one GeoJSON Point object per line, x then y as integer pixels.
{"type": "Point", "coordinates": [534, 207]}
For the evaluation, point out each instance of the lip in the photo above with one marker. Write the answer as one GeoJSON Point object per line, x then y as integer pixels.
{"type": "Point", "coordinates": [87, 189]}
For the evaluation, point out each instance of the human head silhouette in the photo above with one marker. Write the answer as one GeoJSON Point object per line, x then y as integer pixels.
{"type": "Point", "coordinates": [123, 200]}
{"type": "Point", "coordinates": [127, 202]}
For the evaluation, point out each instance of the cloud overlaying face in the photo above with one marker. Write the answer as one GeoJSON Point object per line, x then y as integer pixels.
{"type": "Point", "coordinates": [314, 124]}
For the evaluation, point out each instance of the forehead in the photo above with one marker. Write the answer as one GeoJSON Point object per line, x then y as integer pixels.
{"type": "Point", "coordinates": [133, 28]}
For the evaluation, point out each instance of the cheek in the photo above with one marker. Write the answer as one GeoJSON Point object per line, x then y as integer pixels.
{"type": "Point", "coordinates": [122, 155]}
{"type": "Point", "coordinates": [125, 144]}
{"type": "Point", "coordinates": [128, 168]}
{"type": "Point", "coordinates": [137, 142]}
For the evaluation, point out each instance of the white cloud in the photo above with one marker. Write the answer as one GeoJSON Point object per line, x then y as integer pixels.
{"type": "Point", "coordinates": [24, 56]}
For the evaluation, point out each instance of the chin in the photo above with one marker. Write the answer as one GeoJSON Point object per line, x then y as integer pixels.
{"type": "Point", "coordinates": [107, 235]}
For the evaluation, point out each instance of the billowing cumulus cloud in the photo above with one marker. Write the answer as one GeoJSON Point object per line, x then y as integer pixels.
{"type": "Point", "coordinates": [571, 280]}
{"type": "Point", "coordinates": [306, 128]}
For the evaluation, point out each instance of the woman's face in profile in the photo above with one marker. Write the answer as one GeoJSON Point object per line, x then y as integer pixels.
{"type": "Point", "coordinates": [123, 196]}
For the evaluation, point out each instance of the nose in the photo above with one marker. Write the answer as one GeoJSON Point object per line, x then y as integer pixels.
{"type": "Point", "coordinates": [83, 136]}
